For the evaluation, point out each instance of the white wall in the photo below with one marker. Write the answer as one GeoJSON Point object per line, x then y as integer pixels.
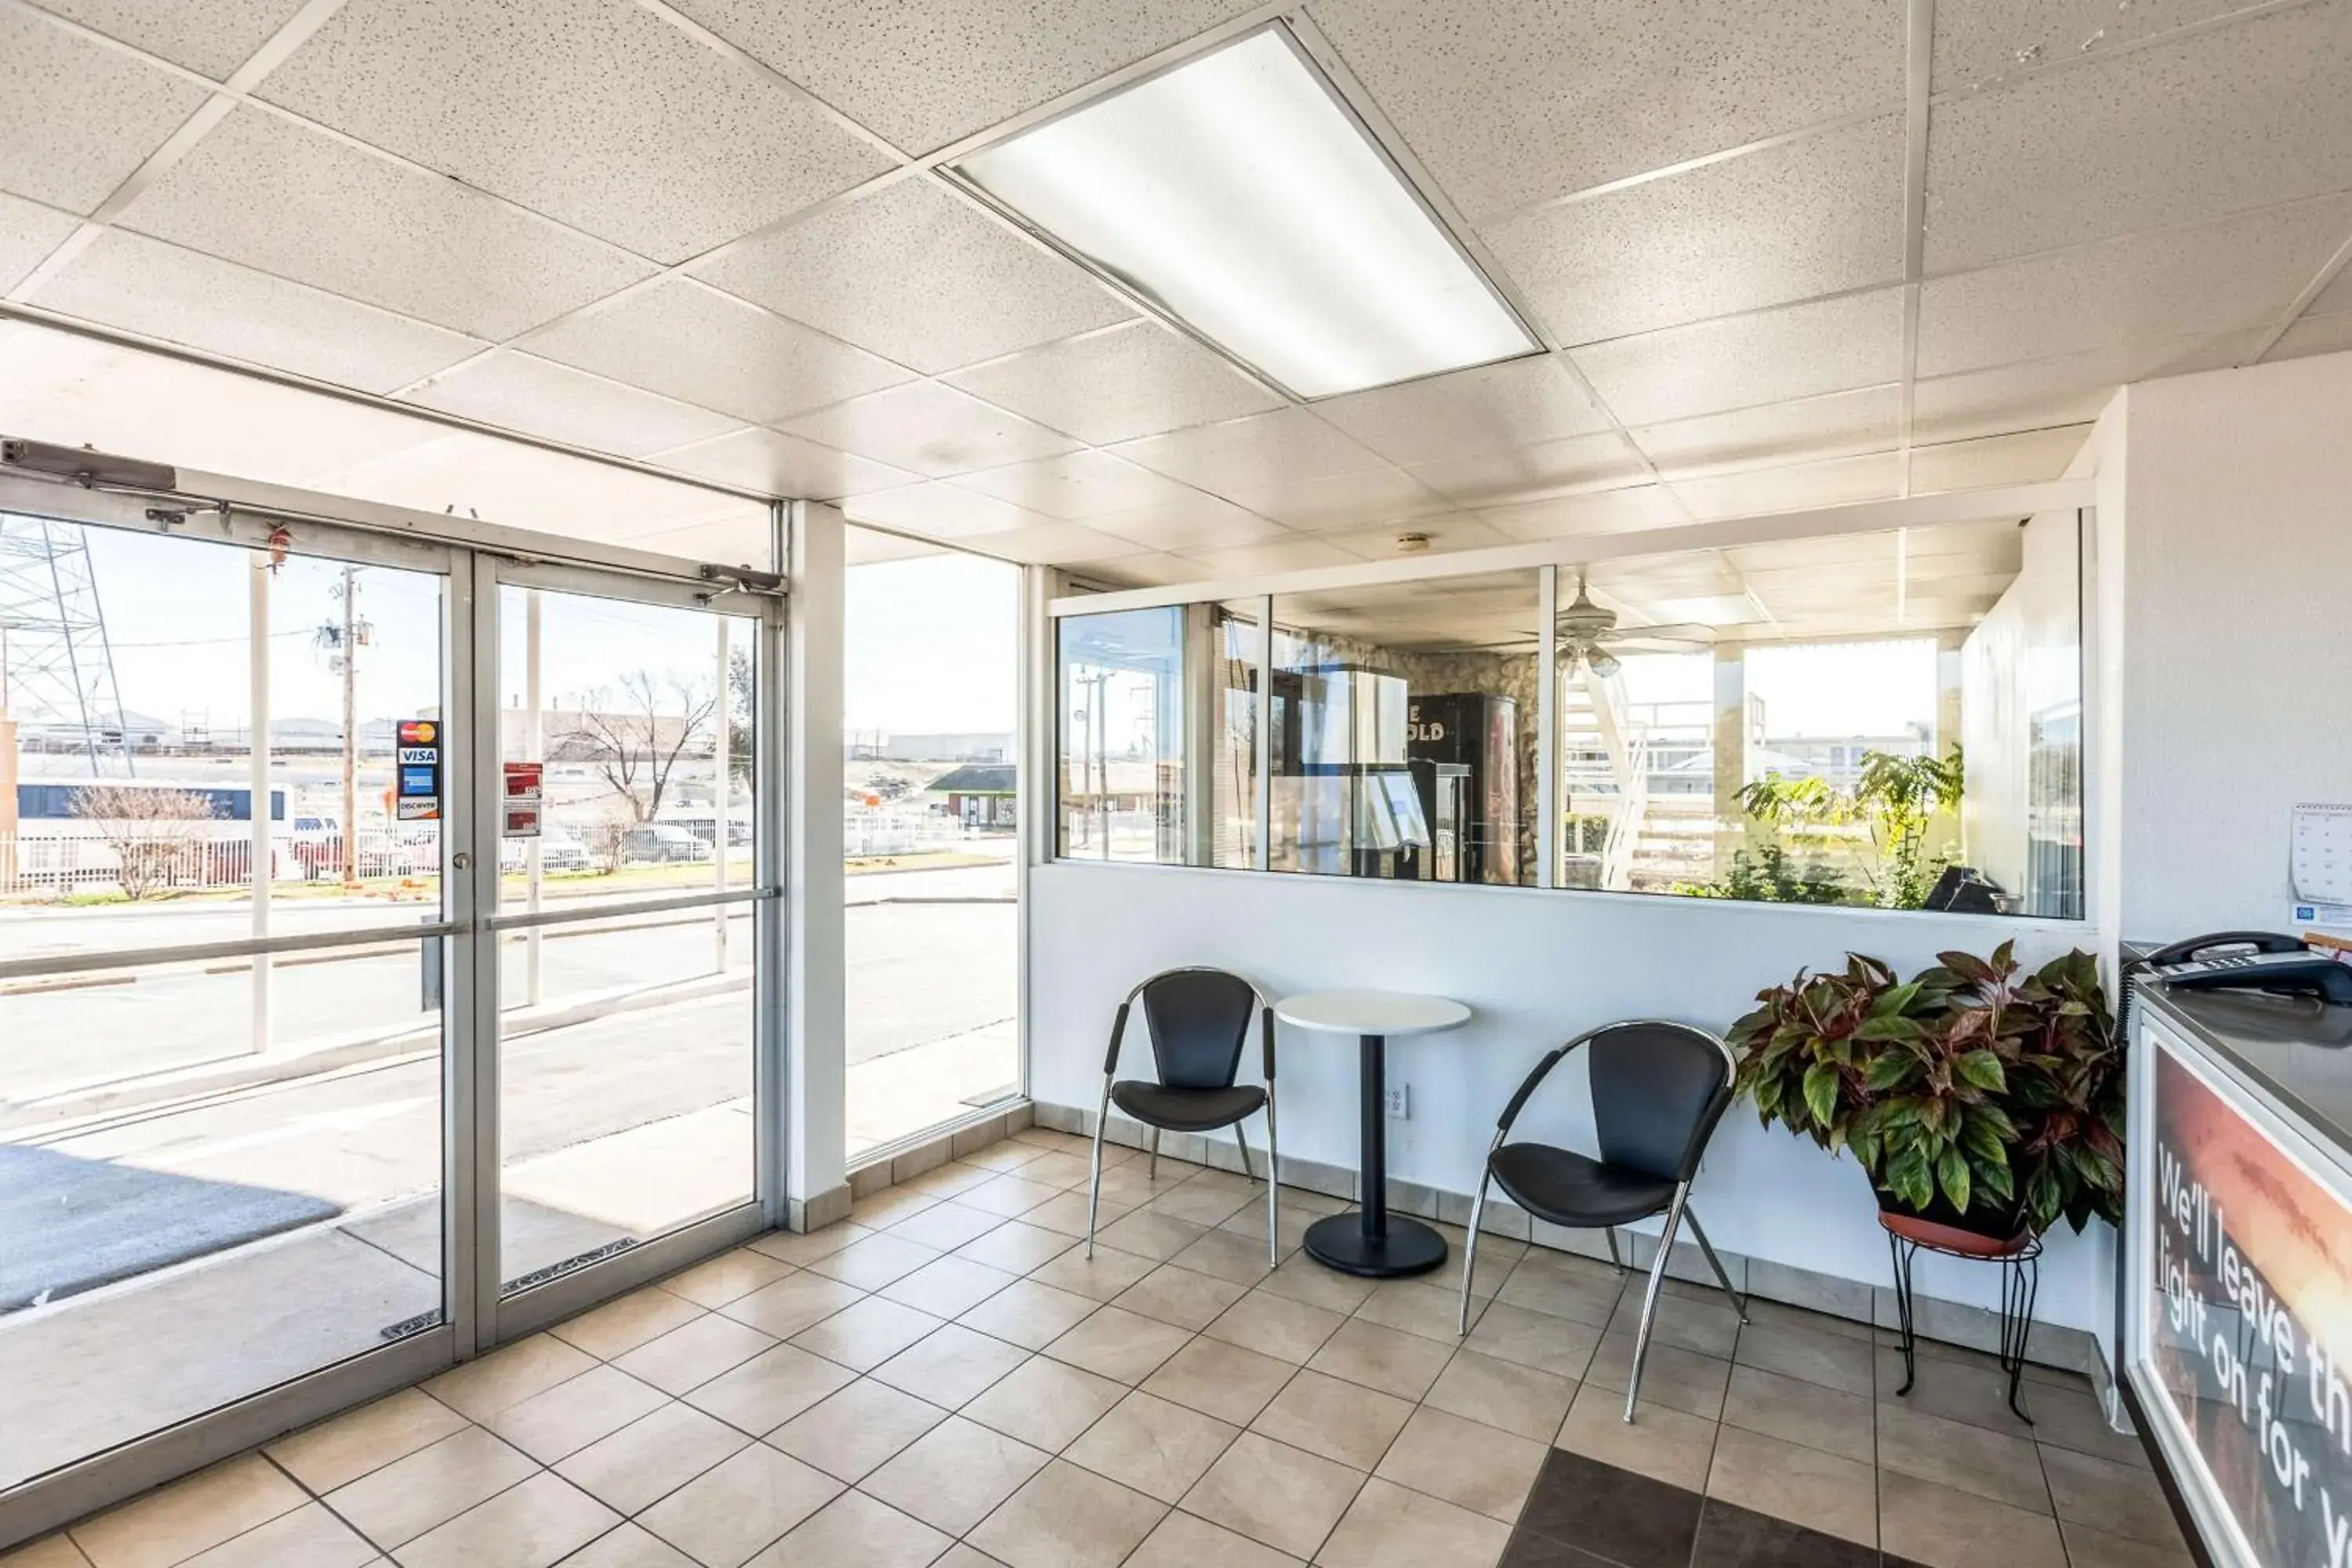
{"type": "Point", "coordinates": [2022, 659]}
{"type": "Point", "coordinates": [2236, 635]}
{"type": "Point", "coordinates": [1539, 967]}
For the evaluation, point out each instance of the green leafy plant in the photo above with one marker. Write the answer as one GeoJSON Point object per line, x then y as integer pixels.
{"type": "Point", "coordinates": [1997, 1094]}
{"type": "Point", "coordinates": [1895, 799]}
{"type": "Point", "coordinates": [1766, 875]}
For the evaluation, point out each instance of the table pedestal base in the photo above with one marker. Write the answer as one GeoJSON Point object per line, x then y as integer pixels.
{"type": "Point", "coordinates": [1410, 1247]}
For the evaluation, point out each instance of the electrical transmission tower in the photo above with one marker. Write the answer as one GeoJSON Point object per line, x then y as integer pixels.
{"type": "Point", "coordinates": [56, 667]}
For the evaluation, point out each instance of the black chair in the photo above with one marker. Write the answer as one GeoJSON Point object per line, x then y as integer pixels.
{"type": "Point", "coordinates": [1658, 1089]}
{"type": "Point", "coordinates": [1200, 1021]}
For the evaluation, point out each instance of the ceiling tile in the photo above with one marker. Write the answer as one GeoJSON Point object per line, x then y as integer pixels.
{"type": "Point", "coordinates": [1791, 222]}
{"type": "Point", "coordinates": [1570, 95]}
{"type": "Point", "coordinates": [1146, 571]}
{"type": "Point", "coordinates": [2336, 296]}
{"type": "Point", "coordinates": [942, 510]}
{"type": "Point", "coordinates": [521, 486]}
{"type": "Point", "coordinates": [2027, 458]}
{"type": "Point", "coordinates": [1768, 356]}
{"type": "Point", "coordinates": [28, 232]}
{"type": "Point", "coordinates": [1491, 408]}
{"type": "Point", "coordinates": [214, 37]}
{"type": "Point", "coordinates": [1135, 380]}
{"type": "Point", "coordinates": [916, 275]}
{"type": "Point", "coordinates": [2240, 273]}
{"type": "Point", "coordinates": [162, 291]}
{"type": "Point", "coordinates": [79, 117]}
{"type": "Point", "coordinates": [871, 546]}
{"type": "Point", "coordinates": [739, 536]}
{"type": "Point", "coordinates": [2241, 117]}
{"type": "Point", "coordinates": [932, 429]}
{"type": "Point", "coordinates": [270, 193]}
{"type": "Point", "coordinates": [1080, 486]}
{"type": "Point", "coordinates": [1634, 507]}
{"type": "Point", "coordinates": [1491, 478]}
{"type": "Point", "coordinates": [783, 466]}
{"type": "Point", "coordinates": [1287, 446]}
{"type": "Point", "coordinates": [1839, 425]}
{"type": "Point", "coordinates": [1273, 555]}
{"type": "Point", "coordinates": [1875, 476]}
{"type": "Point", "coordinates": [2066, 389]}
{"type": "Point", "coordinates": [1980, 42]}
{"type": "Point", "coordinates": [1342, 500]}
{"type": "Point", "coordinates": [703, 347]}
{"type": "Point", "coordinates": [1050, 544]}
{"type": "Point", "coordinates": [1199, 522]}
{"type": "Point", "coordinates": [2326, 334]}
{"type": "Point", "coordinates": [595, 112]}
{"type": "Point", "coordinates": [1455, 530]}
{"type": "Point", "coordinates": [516, 390]}
{"type": "Point", "coordinates": [924, 73]}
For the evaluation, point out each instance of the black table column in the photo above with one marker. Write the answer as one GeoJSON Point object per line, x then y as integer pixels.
{"type": "Point", "coordinates": [1370, 1242]}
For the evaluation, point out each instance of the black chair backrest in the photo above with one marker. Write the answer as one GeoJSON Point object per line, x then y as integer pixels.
{"type": "Point", "coordinates": [1658, 1090]}
{"type": "Point", "coordinates": [1199, 1020]}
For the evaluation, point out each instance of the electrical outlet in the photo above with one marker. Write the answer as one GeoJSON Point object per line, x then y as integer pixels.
{"type": "Point", "coordinates": [1400, 1102]}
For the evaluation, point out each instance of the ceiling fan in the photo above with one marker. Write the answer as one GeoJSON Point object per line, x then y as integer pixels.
{"type": "Point", "coordinates": [1585, 633]}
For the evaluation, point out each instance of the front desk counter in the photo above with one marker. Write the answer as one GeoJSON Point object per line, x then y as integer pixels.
{"type": "Point", "coordinates": [2237, 1289]}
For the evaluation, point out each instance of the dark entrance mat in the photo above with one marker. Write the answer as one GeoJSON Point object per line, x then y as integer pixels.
{"type": "Point", "coordinates": [69, 1225]}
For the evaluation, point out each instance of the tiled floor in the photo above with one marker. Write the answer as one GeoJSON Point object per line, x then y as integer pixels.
{"type": "Point", "coordinates": [946, 1381]}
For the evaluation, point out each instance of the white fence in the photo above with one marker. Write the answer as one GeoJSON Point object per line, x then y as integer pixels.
{"type": "Point", "coordinates": [54, 865]}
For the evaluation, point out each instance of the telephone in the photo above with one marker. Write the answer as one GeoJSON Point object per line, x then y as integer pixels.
{"type": "Point", "coordinates": [2277, 962]}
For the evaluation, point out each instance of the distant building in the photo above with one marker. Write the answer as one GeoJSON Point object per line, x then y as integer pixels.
{"type": "Point", "coordinates": [974, 746]}
{"type": "Point", "coordinates": [980, 794]}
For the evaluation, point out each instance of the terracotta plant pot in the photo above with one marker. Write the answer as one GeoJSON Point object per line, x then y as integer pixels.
{"type": "Point", "coordinates": [1975, 1235]}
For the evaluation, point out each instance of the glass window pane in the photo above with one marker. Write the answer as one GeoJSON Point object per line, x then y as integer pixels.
{"type": "Point", "coordinates": [1120, 794]}
{"type": "Point", "coordinates": [1236, 643]}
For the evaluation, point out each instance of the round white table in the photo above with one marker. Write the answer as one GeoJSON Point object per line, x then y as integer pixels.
{"type": "Point", "coordinates": [1370, 1242]}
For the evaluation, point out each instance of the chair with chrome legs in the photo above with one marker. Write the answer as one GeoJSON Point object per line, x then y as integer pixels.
{"type": "Point", "coordinates": [1658, 1089]}
{"type": "Point", "coordinates": [1199, 1020]}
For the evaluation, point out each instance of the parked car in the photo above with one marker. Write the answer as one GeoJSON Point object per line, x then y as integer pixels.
{"type": "Point", "coordinates": [560, 850]}
{"type": "Point", "coordinates": [661, 842]}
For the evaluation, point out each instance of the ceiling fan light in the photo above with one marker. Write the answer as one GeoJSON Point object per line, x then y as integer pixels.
{"type": "Point", "coordinates": [1605, 663]}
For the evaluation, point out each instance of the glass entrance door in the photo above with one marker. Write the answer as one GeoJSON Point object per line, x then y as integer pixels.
{"type": "Point", "coordinates": [627, 916]}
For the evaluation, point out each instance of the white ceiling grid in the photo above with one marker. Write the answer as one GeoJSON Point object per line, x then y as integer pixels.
{"type": "Point", "coordinates": [1779, 255]}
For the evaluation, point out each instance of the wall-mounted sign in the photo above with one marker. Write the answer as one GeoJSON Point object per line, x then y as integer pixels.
{"type": "Point", "coordinates": [523, 781]}
{"type": "Point", "coordinates": [416, 789]}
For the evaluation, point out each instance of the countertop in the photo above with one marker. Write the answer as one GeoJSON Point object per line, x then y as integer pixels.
{"type": "Point", "coordinates": [2296, 1048]}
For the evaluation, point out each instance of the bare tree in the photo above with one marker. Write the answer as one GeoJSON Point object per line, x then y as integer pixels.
{"type": "Point", "coordinates": [637, 733]}
{"type": "Point", "coordinates": [157, 835]}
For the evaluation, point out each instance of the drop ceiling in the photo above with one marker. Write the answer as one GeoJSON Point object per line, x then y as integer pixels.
{"type": "Point", "coordinates": [1779, 257]}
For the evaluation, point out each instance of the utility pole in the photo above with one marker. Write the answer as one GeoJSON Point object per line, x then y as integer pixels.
{"type": "Point", "coordinates": [346, 641]}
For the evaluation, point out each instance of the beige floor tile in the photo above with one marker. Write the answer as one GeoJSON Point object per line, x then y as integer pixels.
{"type": "Point", "coordinates": [1221, 1253]}
{"type": "Point", "coordinates": [1132, 1183]}
{"type": "Point", "coordinates": [1153, 1446]}
{"type": "Point", "coordinates": [2089, 1548]}
{"type": "Point", "coordinates": [349, 1445]}
{"type": "Point", "coordinates": [889, 1207]}
{"type": "Point", "coordinates": [1957, 1390]}
{"type": "Point", "coordinates": [1502, 1394]}
{"type": "Point", "coordinates": [1673, 1376]}
{"type": "Point", "coordinates": [945, 1226]}
{"type": "Point", "coordinates": [848, 1434]}
{"type": "Point", "coordinates": [726, 1277]}
{"type": "Point", "coordinates": [1059, 1170]}
{"type": "Point", "coordinates": [1560, 1346]}
{"type": "Point", "coordinates": [1813, 1354]}
{"type": "Point", "coordinates": [401, 1501]}
{"type": "Point", "coordinates": [1800, 1412]}
{"type": "Point", "coordinates": [1338, 1419]}
{"type": "Point", "coordinates": [1009, 1195]}
{"type": "Point", "coordinates": [1498, 1256]}
{"type": "Point", "coordinates": [481, 1388]}
{"type": "Point", "coordinates": [646, 1460]}
{"type": "Point", "coordinates": [865, 1335]}
{"type": "Point", "coordinates": [1955, 1454]}
{"type": "Point", "coordinates": [1942, 1527]}
{"type": "Point", "coordinates": [628, 1547]}
{"type": "Point", "coordinates": [1065, 1517]}
{"type": "Point", "coordinates": [691, 1356]}
{"type": "Point", "coordinates": [1028, 1314]}
{"type": "Point", "coordinates": [953, 1476]}
{"type": "Point", "coordinates": [624, 1323]}
{"type": "Point", "coordinates": [1045, 1402]}
{"type": "Point", "coordinates": [1276, 1326]}
{"type": "Point", "coordinates": [948, 1287]}
{"type": "Point", "coordinates": [1017, 1247]}
{"type": "Point", "coordinates": [2121, 1500]}
{"type": "Point", "coordinates": [49, 1551]}
{"type": "Point", "coordinates": [1208, 1199]}
{"type": "Point", "coordinates": [1098, 1277]}
{"type": "Point", "coordinates": [1387, 1359]}
{"type": "Point", "coordinates": [1118, 1344]}
{"type": "Point", "coordinates": [730, 1511]}
{"type": "Point", "coordinates": [532, 1525]}
{"type": "Point", "coordinates": [793, 1303]}
{"type": "Point", "coordinates": [1054, 1142]}
{"type": "Point", "coordinates": [1301, 1278]}
{"type": "Point", "coordinates": [575, 1413]}
{"type": "Point", "coordinates": [2071, 1418]}
{"type": "Point", "coordinates": [1390, 1527]}
{"type": "Point", "coordinates": [1180, 1296]}
{"type": "Point", "coordinates": [854, 1531]}
{"type": "Point", "coordinates": [1149, 1234]}
{"type": "Point", "coordinates": [1779, 1314]}
{"type": "Point", "coordinates": [1560, 1285]}
{"type": "Point", "coordinates": [873, 1261]}
{"type": "Point", "coordinates": [1708, 1325]}
{"type": "Point", "coordinates": [1006, 1155]}
{"type": "Point", "coordinates": [1415, 1305]}
{"type": "Point", "coordinates": [1806, 1486]}
{"type": "Point", "coordinates": [1067, 1213]}
{"type": "Point", "coordinates": [946, 1181]}
{"type": "Point", "coordinates": [1219, 1379]}
{"type": "Point", "coordinates": [951, 1365]}
{"type": "Point", "coordinates": [309, 1536]}
{"type": "Point", "coordinates": [770, 1389]}
{"type": "Point", "coordinates": [801, 1248]}
{"type": "Point", "coordinates": [1182, 1540]}
{"type": "Point", "coordinates": [1467, 1463]}
{"type": "Point", "coordinates": [1277, 1495]}
{"type": "Point", "coordinates": [1670, 1445]}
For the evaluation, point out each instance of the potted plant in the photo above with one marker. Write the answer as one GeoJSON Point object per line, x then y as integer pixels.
{"type": "Point", "coordinates": [1983, 1103]}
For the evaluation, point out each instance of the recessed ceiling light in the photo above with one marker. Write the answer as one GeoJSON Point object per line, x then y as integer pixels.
{"type": "Point", "coordinates": [1240, 195]}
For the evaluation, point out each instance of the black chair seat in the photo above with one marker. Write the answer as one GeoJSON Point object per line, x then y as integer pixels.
{"type": "Point", "coordinates": [1186, 1109]}
{"type": "Point", "coordinates": [1568, 1189]}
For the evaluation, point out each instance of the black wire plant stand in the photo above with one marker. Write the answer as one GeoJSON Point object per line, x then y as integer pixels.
{"type": "Point", "coordinates": [2020, 1284]}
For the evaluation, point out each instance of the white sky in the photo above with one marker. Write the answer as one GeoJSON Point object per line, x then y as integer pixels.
{"type": "Point", "coordinates": [1822, 690]}
{"type": "Point", "coordinates": [932, 646]}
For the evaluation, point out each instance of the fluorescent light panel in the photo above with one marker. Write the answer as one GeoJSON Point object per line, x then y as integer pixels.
{"type": "Point", "coordinates": [1239, 195]}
